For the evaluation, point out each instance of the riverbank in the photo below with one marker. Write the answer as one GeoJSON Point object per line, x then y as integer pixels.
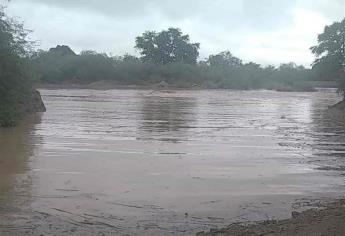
{"type": "Point", "coordinates": [337, 112]}
{"type": "Point", "coordinates": [340, 106]}
{"type": "Point", "coordinates": [108, 85]}
{"type": "Point", "coordinates": [325, 221]}
{"type": "Point", "coordinates": [322, 218]}
{"type": "Point", "coordinates": [99, 85]}
{"type": "Point", "coordinates": [13, 110]}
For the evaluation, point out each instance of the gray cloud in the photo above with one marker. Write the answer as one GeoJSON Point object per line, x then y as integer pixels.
{"type": "Point", "coordinates": [261, 14]}
{"type": "Point", "coordinates": [267, 31]}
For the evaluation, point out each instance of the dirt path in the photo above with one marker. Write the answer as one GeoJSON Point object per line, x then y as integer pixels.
{"type": "Point", "coordinates": [329, 221]}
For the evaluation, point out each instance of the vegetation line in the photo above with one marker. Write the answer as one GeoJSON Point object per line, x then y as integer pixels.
{"type": "Point", "coordinates": [168, 59]}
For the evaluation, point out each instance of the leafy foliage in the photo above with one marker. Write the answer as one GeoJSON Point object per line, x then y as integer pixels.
{"type": "Point", "coordinates": [55, 67]}
{"type": "Point", "coordinates": [224, 59]}
{"type": "Point", "coordinates": [167, 46]}
{"type": "Point", "coordinates": [225, 71]}
{"type": "Point", "coordinates": [15, 74]}
{"type": "Point", "coordinates": [330, 54]}
{"type": "Point", "coordinates": [167, 56]}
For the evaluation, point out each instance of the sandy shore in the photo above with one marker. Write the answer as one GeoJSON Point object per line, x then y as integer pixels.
{"type": "Point", "coordinates": [326, 221]}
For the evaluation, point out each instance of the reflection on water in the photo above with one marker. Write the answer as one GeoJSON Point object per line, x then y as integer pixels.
{"type": "Point", "coordinates": [319, 136]}
{"type": "Point", "coordinates": [147, 157]}
{"type": "Point", "coordinates": [16, 147]}
{"type": "Point", "coordinates": [166, 118]}
{"type": "Point", "coordinates": [328, 134]}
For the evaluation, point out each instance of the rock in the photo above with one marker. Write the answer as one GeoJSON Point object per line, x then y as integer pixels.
{"type": "Point", "coordinates": [295, 214]}
{"type": "Point", "coordinates": [35, 104]}
{"type": "Point", "coordinates": [339, 106]}
{"type": "Point", "coordinates": [38, 102]}
{"type": "Point", "coordinates": [162, 84]}
{"type": "Point", "coordinates": [336, 112]}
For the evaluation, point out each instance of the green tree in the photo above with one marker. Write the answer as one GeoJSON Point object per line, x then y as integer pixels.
{"type": "Point", "coordinates": [15, 73]}
{"type": "Point", "coordinates": [55, 65]}
{"type": "Point", "coordinates": [62, 50]}
{"type": "Point", "coordinates": [224, 59]}
{"type": "Point", "coordinates": [167, 46]}
{"type": "Point", "coordinates": [330, 54]}
{"type": "Point", "coordinates": [127, 58]}
{"type": "Point", "coordinates": [61, 64]}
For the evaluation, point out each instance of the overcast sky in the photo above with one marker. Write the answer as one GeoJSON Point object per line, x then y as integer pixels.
{"type": "Point", "coordinates": [263, 31]}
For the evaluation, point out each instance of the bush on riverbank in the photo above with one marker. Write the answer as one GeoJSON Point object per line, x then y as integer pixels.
{"type": "Point", "coordinates": [168, 56]}
{"type": "Point", "coordinates": [15, 72]}
{"type": "Point", "coordinates": [89, 67]}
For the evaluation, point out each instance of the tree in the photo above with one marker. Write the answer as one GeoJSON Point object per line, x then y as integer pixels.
{"type": "Point", "coordinates": [224, 59]}
{"type": "Point", "coordinates": [61, 64]}
{"type": "Point", "coordinates": [62, 50]}
{"type": "Point", "coordinates": [167, 46]}
{"type": "Point", "coordinates": [54, 65]}
{"type": "Point", "coordinates": [330, 54]}
{"type": "Point", "coordinates": [15, 74]}
{"type": "Point", "coordinates": [127, 58]}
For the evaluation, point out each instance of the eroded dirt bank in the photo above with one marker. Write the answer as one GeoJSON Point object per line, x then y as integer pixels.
{"type": "Point", "coordinates": [327, 221]}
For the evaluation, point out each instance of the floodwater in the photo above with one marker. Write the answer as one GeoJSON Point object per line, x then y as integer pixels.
{"type": "Point", "coordinates": [136, 162]}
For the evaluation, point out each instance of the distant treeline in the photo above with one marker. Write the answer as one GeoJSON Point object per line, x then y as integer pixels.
{"type": "Point", "coordinates": [62, 65]}
{"type": "Point", "coordinates": [167, 56]}
{"type": "Point", "coordinates": [170, 56]}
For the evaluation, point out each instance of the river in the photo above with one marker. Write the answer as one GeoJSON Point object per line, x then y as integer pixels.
{"type": "Point", "coordinates": [139, 162]}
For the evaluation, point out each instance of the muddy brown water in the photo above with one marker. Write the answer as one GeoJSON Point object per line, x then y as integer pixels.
{"type": "Point", "coordinates": [136, 162]}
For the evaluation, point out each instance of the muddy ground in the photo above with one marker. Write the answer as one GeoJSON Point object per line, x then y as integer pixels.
{"type": "Point", "coordinates": [327, 221]}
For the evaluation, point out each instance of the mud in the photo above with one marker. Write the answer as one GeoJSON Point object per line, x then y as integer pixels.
{"type": "Point", "coordinates": [143, 162]}
{"type": "Point", "coordinates": [328, 220]}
